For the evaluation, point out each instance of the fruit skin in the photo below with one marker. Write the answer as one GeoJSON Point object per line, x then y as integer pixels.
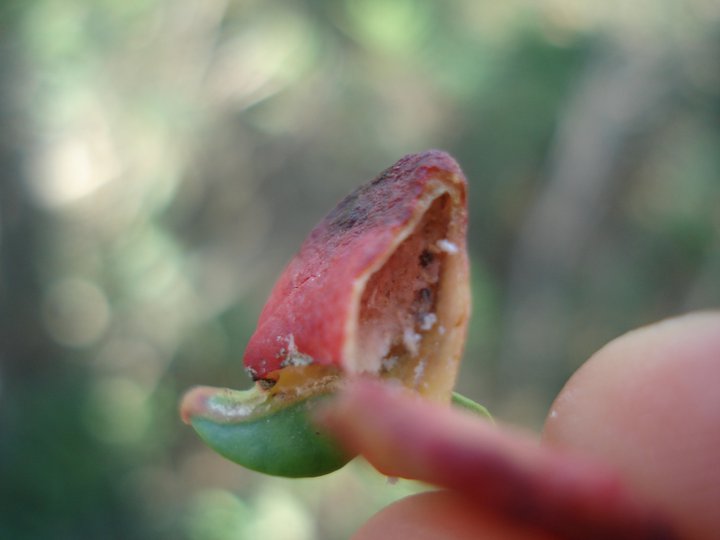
{"type": "Point", "coordinates": [309, 315]}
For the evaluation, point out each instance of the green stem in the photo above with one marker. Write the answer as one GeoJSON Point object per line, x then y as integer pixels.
{"type": "Point", "coordinates": [458, 400]}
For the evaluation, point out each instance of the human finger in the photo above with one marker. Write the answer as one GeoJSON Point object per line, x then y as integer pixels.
{"type": "Point", "coordinates": [442, 514]}
{"type": "Point", "coordinates": [498, 470]}
{"type": "Point", "coordinates": [649, 403]}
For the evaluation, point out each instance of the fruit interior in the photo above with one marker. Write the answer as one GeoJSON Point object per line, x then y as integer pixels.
{"type": "Point", "coordinates": [400, 322]}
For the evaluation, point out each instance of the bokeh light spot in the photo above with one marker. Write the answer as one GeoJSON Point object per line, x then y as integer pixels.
{"type": "Point", "coordinates": [75, 165]}
{"type": "Point", "coordinates": [390, 27]}
{"type": "Point", "coordinates": [216, 514]}
{"type": "Point", "coordinates": [276, 506]}
{"type": "Point", "coordinates": [117, 411]}
{"type": "Point", "coordinates": [76, 312]}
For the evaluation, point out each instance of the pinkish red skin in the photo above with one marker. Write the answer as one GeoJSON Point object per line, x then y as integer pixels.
{"type": "Point", "coordinates": [311, 300]}
{"type": "Point", "coordinates": [501, 471]}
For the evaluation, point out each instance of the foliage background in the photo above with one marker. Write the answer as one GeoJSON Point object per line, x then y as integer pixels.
{"type": "Point", "coordinates": [161, 160]}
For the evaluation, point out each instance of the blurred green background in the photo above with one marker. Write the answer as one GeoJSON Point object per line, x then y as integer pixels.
{"type": "Point", "coordinates": [161, 160]}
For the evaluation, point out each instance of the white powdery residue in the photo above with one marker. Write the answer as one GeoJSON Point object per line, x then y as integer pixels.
{"type": "Point", "coordinates": [427, 321]}
{"type": "Point", "coordinates": [411, 339]}
{"type": "Point", "coordinates": [229, 411]}
{"type": "Point", "coordinates": [299, 360]}
{"type": "Point", "coordinates": [292, 348]}
{"type": "Point", "coordinates": [375, 348]}
{"type": "Point", "coordinates": [293, 356]}
{"type": "Point", "coordinates": [418, 372]}
{"type": "Point", "coordinates": [389, 363]}
{"type": "Point", "coordinates": [447, 246]}
{"type": "Point", "coordinates": [384, 346]}
{"type": "Point", "coordinates": [441, 330]}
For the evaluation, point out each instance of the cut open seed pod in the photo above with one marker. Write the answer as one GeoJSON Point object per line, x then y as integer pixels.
{"type": "Point", "coordinates": [379, 288]}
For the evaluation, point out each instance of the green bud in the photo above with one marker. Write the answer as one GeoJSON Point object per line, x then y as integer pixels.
{"type": "Point", "coordinates": [264, 433]}
{"type": "Point", "coordinates": [272, 434]}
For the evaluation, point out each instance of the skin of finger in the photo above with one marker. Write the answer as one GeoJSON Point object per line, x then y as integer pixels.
{"type": "Point", "coordinates": [649, 403]}
{"type": "Point", "coordinates": [500, 470]}
{"type": "Point", "coordinates": [441, 514]}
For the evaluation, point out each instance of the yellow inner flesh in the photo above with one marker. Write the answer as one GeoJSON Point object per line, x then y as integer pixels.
{"type": "Point", "coordinates": [296, 382]}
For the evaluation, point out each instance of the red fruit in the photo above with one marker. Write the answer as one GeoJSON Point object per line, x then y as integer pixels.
{"type": "Point", "coordinates": [380, 286]}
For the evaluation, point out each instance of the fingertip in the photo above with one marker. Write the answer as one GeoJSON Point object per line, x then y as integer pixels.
{"type": "Point", "coordinates": [441, 514]}
{"type": "Point", "coordinates": [649, 403]}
